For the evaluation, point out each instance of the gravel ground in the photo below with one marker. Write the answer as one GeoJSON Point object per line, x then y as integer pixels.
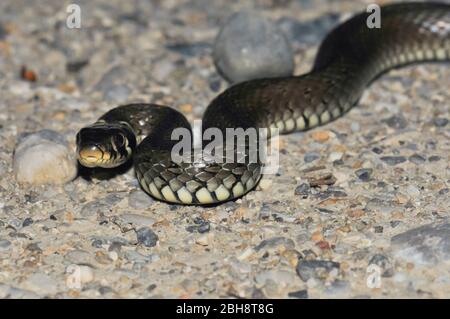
{"type": "Point", "coordinates": [363, 196]}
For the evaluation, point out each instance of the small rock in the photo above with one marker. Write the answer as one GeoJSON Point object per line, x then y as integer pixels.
{"type": "Point", "coordinates": [4, 244]}
{"type": "Point", "coordinates": [355, 127]}
{"type": "Point", "coordinates": [397, 122]}
{"type": "Point", "coordinates": [27, 222]}
{"type": "Point", "coordinates": [137, 220]}
{"type": "Point", "coordinates": [364, 174]}
{"type": "Point", "coordinates": [440, 121]}
{"type": "Point", "coordinates": [378, 229]}
{"type": "Point", "coordinates": [44, 157]}
{"type": "Point", "coordinates": [424, 245]}
{"type": "Point", "coordinates": [315, 269]}
{"type": "Point", "coordinates": [416, 159]}
{"type": "Point", "coordinates": [302, 190]}
{"type": "Point", "coordinates": [249, 46]}
{"type": "Point", "coordinates": [335, 156]}
{"type": "Point", "coordinates": [320, 136]}
{"type": "Point", "coordinates": [78, 275]}
{"type": "Point", "coordinates": [204, 228]}
{"type": "Point", "coordinates": [137, 257]}
{"type": "Point", "coordinates": [377, 150]}
{"type": "Point", "coordinates": [146, 237]}
{"type": "Point", "coordinates": [393, 160]}
{"type": "Point", "coordinates": [274, 244]}
{"type": "Point", "coordinates": [434, 158]}
{"type": "Point", "coordinates": [204, 240]}
{"type": "Point", "coordinates": [79, 256]}
{"type": "Point", "coordinates": [300, 294]}
{"type": "Point", "coordinates": [311, 157]}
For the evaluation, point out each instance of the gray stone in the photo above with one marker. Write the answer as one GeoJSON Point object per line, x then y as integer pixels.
{"type": "Point", "coordinates": [137, 220]}
{"type": "Point", "coordinates": [4, 244]}
{"type": "Point", "coordinates": [299, 294]}
{"type": "Point", "coordinates": [79, 257]}
{"type": "Point", "coordinates": [416, 159]}
{"type": "Point", "coordinates": [440, 121]}
{"type": "Point", "coordinates": [249, 46]}
{"type": "Point", "coordinates": [146, 237]}
{"type": "Point", "coordinates": [364, 174]}
{"type": "Point", "coordinates": [311, 157]}
{"type": "Point", "coordinates": [140, 200]}
{"type": "Point", "coordinates": [136, 257]}
{"type": "Point", "coordinates": [428, 244]}
{"type": "Point", "coordinates": [303, 190]}
{"type": "Point", "coordinates": [397, 122]}
{"type": "Point", "coordinates": [274, 242]}
{"type": "Point", "coordinates": [393, 160]}
{"type": "Point", "coordinates": [44, 157]}
{"type": "Point", "coordinates": [317, 269]}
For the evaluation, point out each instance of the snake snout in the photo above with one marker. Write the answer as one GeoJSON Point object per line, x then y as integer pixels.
{"type": "Point", "coordinates": [92, 155]}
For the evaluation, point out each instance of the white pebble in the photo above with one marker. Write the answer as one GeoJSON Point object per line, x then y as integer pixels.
{"type": "Point", "coordinates": [77, 275]}
{"type": "Point", "coordinates": [335, 156]}
{"type": "Point", "coordinates": [204, 240]}
{"type": "Point", "coordinates": [44, 157]}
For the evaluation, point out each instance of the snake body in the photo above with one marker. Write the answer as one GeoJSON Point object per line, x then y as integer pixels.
{"type": "Point", "coordinates": [348, 60]}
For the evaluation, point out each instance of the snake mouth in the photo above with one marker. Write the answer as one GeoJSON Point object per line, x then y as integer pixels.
{"type": "Point", "coordinates": [92, 156]}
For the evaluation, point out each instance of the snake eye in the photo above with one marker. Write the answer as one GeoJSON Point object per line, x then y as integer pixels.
{"type": "Point", "coordinates": [119, 140]}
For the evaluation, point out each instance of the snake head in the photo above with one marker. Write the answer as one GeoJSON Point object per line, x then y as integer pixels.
{"type": "Point", "coordinates": [105, 145]}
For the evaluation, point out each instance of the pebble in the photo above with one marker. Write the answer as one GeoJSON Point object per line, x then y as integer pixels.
{"type": "Point", "coordinates": [146, 237]}
{"type": "Point", "coordinates": [440, 121]}
{"type": "Point", "coordinates": [299, 294]}
{"type": "Point", "coordinates": [364, 174]}
{"type": "Point", "coordinates": [397, 122]}
{"type": "Point", "coordinates": [4, 244]}
{"type": "Point", "coordinates": [137, 220]}
{"type": "Point", "coordinates": [311, 157]}
{"type": "Point", "coordinates": [320, 136]}
{"type": "Point", "coordinates": [335, 156]}
{"type": "Point", "coordinates": [140, 200]}
{"type": "Point", "coordinates": [205, 239]}
{"type": "Point", "coordinates": [315, 269]}
{"type": "Point", "coordinates": [275, 243]}
{"type": "Point", "coordinates": [79, 256]}
{"type": "Point", "coordinates": [434, 158]}
{"type": "Point", "coordinates": [393, 160]}
{"type": "Point", "coordinates": [425, 245]}
{"type": "Point", "coordinates": [416, 159]}
{"type": "Point", "coordinates": [412, 191]}
{"type": "Point", "coordinates": [137, 257]}
{"type": "Point", "coordinates": [78, 275]}
{"type": "Point", "coordinates": [303, 190]}
{"type": "Point", "coordinates": [27, 222]}
{"type": "Point", "coordinates": [249, 46]}
{"type": "Point", "coordinates": [44, 157]}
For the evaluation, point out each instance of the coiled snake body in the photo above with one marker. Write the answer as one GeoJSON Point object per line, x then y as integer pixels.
{"type": "Point", "coordinates": [348, 60]}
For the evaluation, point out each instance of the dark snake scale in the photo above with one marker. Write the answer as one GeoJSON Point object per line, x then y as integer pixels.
{"type": "Point", "coordinates": [349, 59]}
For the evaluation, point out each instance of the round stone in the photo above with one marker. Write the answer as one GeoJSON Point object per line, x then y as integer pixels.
{"type": "Point", "coordinates": [44, 157]}
{"type": "Point", "coordinates": [249, 46]}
